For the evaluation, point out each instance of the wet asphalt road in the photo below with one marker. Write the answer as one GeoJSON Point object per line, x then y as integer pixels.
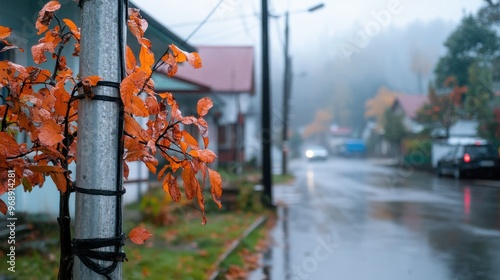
{"type": "Point", "coordinates": [356, 219]}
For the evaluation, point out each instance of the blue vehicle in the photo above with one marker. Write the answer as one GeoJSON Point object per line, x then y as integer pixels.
{"type": "Point", "coordinates": [353, 148]}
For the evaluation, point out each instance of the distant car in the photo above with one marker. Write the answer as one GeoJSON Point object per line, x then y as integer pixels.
{"type": "Point", "coordinates": [352, 148]}
{"type": "Point", "coordinates": [316, 153]}
{"type": "Point", "coordinates": [469, 160]}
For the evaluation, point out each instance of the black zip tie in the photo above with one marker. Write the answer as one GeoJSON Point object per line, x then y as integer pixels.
{"type": "Point", "coordinates": [99, 97]}
{"type": "Point", "coordinates": [83, 249]}
{"type": "Point", "coordinates": [98, 192]}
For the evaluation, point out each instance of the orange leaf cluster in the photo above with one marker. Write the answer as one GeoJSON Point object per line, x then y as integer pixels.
{"type": "Point", "coordinates": [40, 105]}
{"type": "Point", "coordinates": [163, 133]}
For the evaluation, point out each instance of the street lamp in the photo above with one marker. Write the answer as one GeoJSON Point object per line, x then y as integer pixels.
{"type": "Point", "coordinates": [287, 81]}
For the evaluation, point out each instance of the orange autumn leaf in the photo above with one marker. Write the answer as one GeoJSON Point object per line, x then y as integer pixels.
{"type": "Point", "coordinates": [201, 204]}
{"type": "Point", "coordinates": [9, 46]}
{"type": "Point", "coordinates": [206, 141]}
{"type": "Point", "coordinates": [171, 186]}
{"type": "Point", "coordinates": [38, 52]}
{"type": "Point", "coordinates": [8, 146]}
{"type": "Point", "coordinates": [130, 61]}
{"type": "Point", "coordinates": [133, 128]}
{"type": "Point", "coordinates": [191, 184]}
{"type": "Point", "coordinates": [73, 28]}
{"type": "Point", "coordinates": [181, 56]}
{"type": "Point", "coordinates": [150, 162]}
{"type": "Point", "coordinates": [203, 127]}
{"type": "Point", "coordinates": [46, 169]}
{"type": "Point", "coordinates": [216, 186]}
{"type": "Point", "coordinates": [91, 81]}
{"type": "Point", "coordinates": [60, 181]}
{"type": "Point", "coordinates": [203, 106]}
{"type": "Point", "coordinates": [139, 235]}
{"type": "Point", "coordinates": [205, 156]}
{"type": "Point", "coordinates": [50, 133]}
{"type": "Point", "coordinates": [4, 32]}
{"type": "Point", "coordinates": [190, 140]}
{"type": "Point", "coordinates": [45, 16]}
{"type": "Point", "coordinates": [136, 24]}
{"type": "Point", "coordinates": [147, 59]}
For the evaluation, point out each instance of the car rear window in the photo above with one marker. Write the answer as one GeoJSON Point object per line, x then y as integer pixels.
{"type": "Point", "coordinates": [481, 151]}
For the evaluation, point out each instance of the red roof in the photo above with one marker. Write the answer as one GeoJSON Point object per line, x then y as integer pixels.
{"type": "Point", "coordinates": [411, 103]}
{"type": "Point", "coordinates": [225, 69]}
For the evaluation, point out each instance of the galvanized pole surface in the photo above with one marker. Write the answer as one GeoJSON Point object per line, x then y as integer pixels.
{"type": "Point", "coordinates": [98, 129]}
{"type": "Point", "coordinates": [286, 97]}
{"type": "Point", "coordinates": [266, 134]}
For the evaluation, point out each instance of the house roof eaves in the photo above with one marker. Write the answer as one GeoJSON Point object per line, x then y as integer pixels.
{"type": "Point", "coordinates": [163, 33]}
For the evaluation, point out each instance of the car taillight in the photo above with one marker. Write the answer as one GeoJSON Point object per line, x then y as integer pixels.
{"type": "Point", "coordinates": [466, 158]}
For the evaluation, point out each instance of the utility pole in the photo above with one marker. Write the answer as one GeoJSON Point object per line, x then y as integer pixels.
{"type": "Point", "coordinates": [287, 85]}
{"type": "Point", "coordinates": [286, 97]}
{"type": "Point", "coordinates": [99, 154]}
{"type": "Point", "coordinates": [266, 110]}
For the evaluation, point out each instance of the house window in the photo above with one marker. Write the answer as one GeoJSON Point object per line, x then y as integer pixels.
{"type": "Point", "coordinates": [224, 136]}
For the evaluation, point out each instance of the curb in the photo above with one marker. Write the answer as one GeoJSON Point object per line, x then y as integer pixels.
{"type": "Point", "coordinates": [235, 244]}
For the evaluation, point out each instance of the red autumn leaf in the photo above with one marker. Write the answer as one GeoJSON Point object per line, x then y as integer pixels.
{"type": "Point", "coordinates": [216, 186]}
{"type": "Point", "coordinates": [4, 32]}
{"type": "Point", "coordinates": [3, 207]}
{"type": "Point", "coordinates": [45, 16]}
{"type": "Point", "coordinates": [139, 235]}
{"type": "Point", "coordinates": [50, 133]}
{"type": "Point", "coordinates": [203, 106]}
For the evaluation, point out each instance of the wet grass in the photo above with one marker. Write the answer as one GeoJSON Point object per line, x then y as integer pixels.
{"type": "Point", "coordinates": [184, 250]}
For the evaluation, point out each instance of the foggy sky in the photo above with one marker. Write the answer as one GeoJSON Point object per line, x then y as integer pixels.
{"type": "Point", "coordinates": [341, 54]}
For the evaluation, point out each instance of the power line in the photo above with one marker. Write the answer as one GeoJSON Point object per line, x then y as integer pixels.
{"type": "Point", "coordinates": [204, 21]}
{"type": "Point", "coordinates": [191, 23]}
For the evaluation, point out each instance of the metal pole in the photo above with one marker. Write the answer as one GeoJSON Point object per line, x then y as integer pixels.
{"type": "Point", "coordinates": [98, 128]}
{"type": "Point", "coordinates": [286, 96]}
{"type": "Point", "coordinates": [266, 109]}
